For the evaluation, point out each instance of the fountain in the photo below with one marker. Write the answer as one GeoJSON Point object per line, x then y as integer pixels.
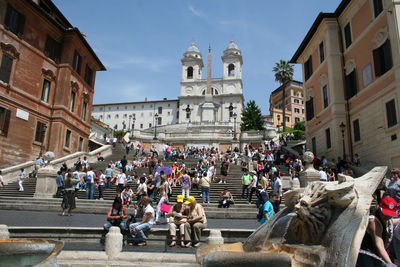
{"type": "Point", "coordinates": [322, 224]}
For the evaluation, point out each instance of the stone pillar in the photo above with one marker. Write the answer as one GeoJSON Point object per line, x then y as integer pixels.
{"type": "Point", "coordinates": [114, 242]}
{"type": "Point", "coordinates": [46, 186]}
{"type": "Point", "coordinates": [215, 237]}
{"type": "Point", "coordinates": [4, 233]}
{"type": "Point", "coordinates": [309, 174]}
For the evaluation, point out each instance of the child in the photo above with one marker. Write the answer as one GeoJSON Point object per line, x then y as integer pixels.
{"type": "Point", "coordinates": [126, 195]}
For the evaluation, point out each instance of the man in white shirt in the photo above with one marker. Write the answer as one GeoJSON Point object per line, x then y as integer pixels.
{"type": "Point", "coordinates": [137, 229]}
{"type": "Point", "coordinates": [121, 178]}
{"type": "Point", "coordinates": [253, 184]}
{"type": "Point", "coordinates": [322, 175]}
{"type": "Point", "coordinates": [90, 175]}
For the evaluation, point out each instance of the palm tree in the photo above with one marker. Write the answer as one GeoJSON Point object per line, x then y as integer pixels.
{"type": "Point", "coordinates": [283, 74]}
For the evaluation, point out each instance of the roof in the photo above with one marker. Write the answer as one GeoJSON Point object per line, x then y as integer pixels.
{"type": "Point", "coordinates": [64, 25]}
{"type": "Point", "coordinates": [294, 82]}
{"type": "Point", "coordinates": [193, 48]}
{"type": "Point", "coordinates": [321, 16]}
{"type": "Point", "coordinates": [139, 102]}
{"type": "Point", "coordinates": [232, 45]}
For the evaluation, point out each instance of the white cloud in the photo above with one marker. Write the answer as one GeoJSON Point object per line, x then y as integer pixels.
{"type": "Point", "coordinates": [196, 12]}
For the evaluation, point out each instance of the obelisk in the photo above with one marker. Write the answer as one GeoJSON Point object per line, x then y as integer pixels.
{"type": "Point", "coordinates": [208, 107]}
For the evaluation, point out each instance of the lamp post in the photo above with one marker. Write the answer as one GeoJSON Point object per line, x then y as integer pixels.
{"type": "Point", "coordinates": [234, 126]}
{"type": "Point", "coordinates": [155, 126]}
{"type": "Point", "coordinates": [43, 133]}
{"type": "Point", "coordinates": [230, 108]}
{"type": "Point", "coordinates": [342, 128]}
{"type": "Point", "coordinates": [188, 111]}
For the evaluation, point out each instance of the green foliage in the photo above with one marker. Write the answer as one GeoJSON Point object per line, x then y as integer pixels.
{"type": "Point", "coordinates": [119, 134]}
{"type": "Point", "coordinates": [298, 134]}
{"type": "Point", "coordinates": [300, 126]}
{"type": "Point", "coordinates": [251, 117]}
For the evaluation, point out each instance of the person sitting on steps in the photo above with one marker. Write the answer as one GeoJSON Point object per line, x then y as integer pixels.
{"type": "Point", "coordinates": [115, 215]}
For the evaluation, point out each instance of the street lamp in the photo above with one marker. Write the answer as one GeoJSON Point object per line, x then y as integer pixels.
{"type": "Point", "coordinates": [234, 126]}
{"type": "Point", "coordinates": [188, 111]}
{"type": "Point", "coordinates": [230, 108]}
{"type": "Point", "coordinates": [342, 128]}
{"type": "Point", "coordinates": [43, 133]}
{"type": "Point", "coordinates": [155, 126]}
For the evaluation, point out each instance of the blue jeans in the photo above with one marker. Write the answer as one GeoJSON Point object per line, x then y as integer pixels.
{"type": "Point", "coordinates": [108, 225]}
{"type": "Point", "coordinates": [140, 228]}
{"type": "Point", "coordinates": [89, 194]}
{"type": "Point", "coordinates": [205, 192]}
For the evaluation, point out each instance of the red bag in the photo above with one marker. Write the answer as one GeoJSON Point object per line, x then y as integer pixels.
{"type": "Point", "coordinates": [165, 207]}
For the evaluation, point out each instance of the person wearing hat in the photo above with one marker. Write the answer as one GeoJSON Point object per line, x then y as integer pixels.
{"type": "Point", "coordinates": [177, 218]}
{"type": "Point", "coordinates": [379, 233]}
{"type": "Point", "coordinates": [196, 222]}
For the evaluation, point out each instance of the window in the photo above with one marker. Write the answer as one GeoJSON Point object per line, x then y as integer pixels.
{"type": "Point", "coordinates": [325, 94]}
{"type": "Point", "coordinates": [45, 90]}
{"type": "Point", "coordinates": [169, 105]}
{"type": "Point", "coordinates": [109, 108]}
{"type": "Point", "coordinates": [67, 138]}
{"type": "Point", "coordinates": [141, 126]}
{"type": "Point", "coordinates": [80, 144]}
{"type": "Point", "coordinates": [159, 110]}
{"type": "Point", "coordinates": [231, 70]}
{"type": "Point", "coordinates": [383, 58]}
{"type": "Point", "coordinates": [116, 116]}
{"type": "Point", "coordinates": [88, 75]}
{"type": "Point", "coordinates": [347, 35]}
{"type": "Point", "coordinates": [72, 102]}
{"type": "Point", "coordinates": [108, 116]}
{"type": "Point", "coordinates": [159, 120]}
{"type": "Point", "coordinates": [308, 70]}
{"type": "Point", "coordinates": [187, 115]}
{"type": "Point", "coordinates": [101, 117]}
{"type": "Point", "coordinates": [101, 109]}
{"type": "Point", "coordinates": [378, 7]}
{"type": "Point", "coordinates": [314, 146]}
{"type": "Point", "coordinates": [40, 131]}
{"type": "Point", "coordinates": [367, 75]}
{"type": "Point", "coordinates": [52, 49]}
{"type": "Point", "coordinates": [296, 119]}
{"type": "Point", "coordinates": [5, 115]}
{"type": "Point", "coordinates": [126, 107]}
{"type": "Point", "coordinates": [190, 72]}
{"type": "Point", "coordinates": [328, 138]}
{"type": "Point", "coordinates": [76, 65]}
{"type": "Point", "coordinates": [134, 107]}
{"type": "Point", "coordinates": [14, 21]}
{"type": "Point", "coordinates": [391, 113]}
{"type": "Point", "coordinates": [351, 84]}
{"type": "Point", "coordinates": [296, 110]}
{"type": "Point", "coordinates": [169, 113]}
{"type": "Point", "coordinates": [150, 125]}
{"type": "Point", "coordinates": [356, 130]}
{"type": "Point", "coordinates": [84, 110]}
{"type": "Point", "coordinates": [310, 109]}
{"type": "Point", "coordinates": [287, 119]}
{"type": "Point", "coordinates": [321, 52]}
{"type": "Point", "coordinates": [125, 116]}
{"type": "Point", "coordinates": [5, 68]}
{"type": "Point", "coordinates": [177, 114]}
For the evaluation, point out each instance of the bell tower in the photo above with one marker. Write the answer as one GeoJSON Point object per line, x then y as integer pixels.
{"type": "Point", "coordinates": [192, 64]}
{"type": "Point", "coordinates": [232, 62]}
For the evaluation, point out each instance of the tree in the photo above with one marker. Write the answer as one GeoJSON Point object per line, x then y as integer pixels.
{"type": "Point", "coordinates": [119, 134]}
{"type": "Point", "coordinates": [251, 117]}
{"type": "Point", "coordinates": [283, 74]}
{"type": "Point", "coordinates": [300, 126]}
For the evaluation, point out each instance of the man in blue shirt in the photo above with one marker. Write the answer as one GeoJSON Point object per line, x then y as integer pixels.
{"type": "Point", "coordinates": [268, 209]}
{"type": "Point", "coordinates": [60, 183]}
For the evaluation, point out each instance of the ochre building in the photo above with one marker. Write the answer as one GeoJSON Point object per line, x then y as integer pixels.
{"type": "Point", "coordinates": [47, 77]}
{"type": "Point", "coordinates": [351, 72]}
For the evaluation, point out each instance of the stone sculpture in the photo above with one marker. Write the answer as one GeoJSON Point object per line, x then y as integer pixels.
{"type": "Point", "coordinates": [322, 225]}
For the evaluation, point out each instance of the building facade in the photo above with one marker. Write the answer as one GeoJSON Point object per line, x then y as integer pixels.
{"type": "Point", "coordinates": [294, 104]}
{"type": "Point", "coordinates": [206, 113]}
{"type": "Point", "coordinates": [351, 72]}
{"type": "Point", "coordinates": [47, 76]}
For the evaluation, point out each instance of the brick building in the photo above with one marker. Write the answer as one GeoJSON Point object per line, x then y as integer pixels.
{"type": "Point", "coordinates": [351, 72]}
{"type": "Point", "coordinates": [294, 103]}
{"type": "Point", "coordinates": [47, 76]}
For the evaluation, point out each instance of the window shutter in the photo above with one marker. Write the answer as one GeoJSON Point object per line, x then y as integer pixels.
{"type": "Point", "coordinates": [377, 62]}
{"type": "Point", "coordinates": [5, 68]}
{"type": "Point", "coordinates": [6, 122]}
{"type": "Point", "coordinates": [387, 55]}
{"type": "Point", "coordinates": [8, 16]}
{"type": "Point", "coordinates": [21, 24]}
{"type": "Point", "coordinates": [310, 109]}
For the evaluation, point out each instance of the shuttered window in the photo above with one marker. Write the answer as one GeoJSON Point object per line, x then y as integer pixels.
{"type": "Point", "coordinates": [46, 90]}
{"type": "Point", "coordinates": [308, 69]}
{"type": "Point", "coordinates": [52, 49]}
{"type": "Point", "coordinates": [391, 113]}
{"type": "Point", "coordinates": [40, 130]}
{"type": "Point", "coordinates": [321, 52]}
{"type": "Point", "coordinates": [347, 35]}
{"type": "Point", "coordinates": [310, 109]}
{"type": "Point", "coordinates": [383, 58]}
{"type": "Point", "coordinates": [88, 75]}
{"type": "Point", "coordinates": [5, 116]}
{"type": "Point", "coordinates": [5, 68]}
{"type": "Point", "coordinates": [67, 138]}
{"type": "Point", "coordinates": [14, 20]}
{"type": "Point", "coordinates": [351, 84]}
{"type": "Point", "coordinates": [356, 130]}
{"type": "Point", "coordinates": [77, 62]}
{"type": "Point", "coordinates": [328, 138]}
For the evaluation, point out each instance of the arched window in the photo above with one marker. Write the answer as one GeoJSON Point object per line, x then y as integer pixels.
{"type": "Point", "coordinates": [213, 91]}
{"type": "Point", "coordinates": [231, 70]}
{"type": "Point", "coordinates": [190, 72]}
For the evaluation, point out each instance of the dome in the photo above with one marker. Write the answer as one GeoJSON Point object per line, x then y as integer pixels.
{"type": "Point", "coordinates": [232, 45]}
{"type": "Point", "coordinates": [193, 48]}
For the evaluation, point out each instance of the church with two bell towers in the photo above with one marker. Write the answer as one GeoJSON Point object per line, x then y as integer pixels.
{"type": "Point", "coordinates": [211, 100]}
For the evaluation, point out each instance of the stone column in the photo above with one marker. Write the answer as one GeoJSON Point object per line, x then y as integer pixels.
{"type": "Point", "coordinates": [46, 186]}
{"type": "Point", "coordinates": [4, 233]}
{"type": "Point", "coordinates": [309, 174]}
{"type": "Point", "coordinates": [215, 237]}
{"type": "Point", "coordinates": [114, 242]}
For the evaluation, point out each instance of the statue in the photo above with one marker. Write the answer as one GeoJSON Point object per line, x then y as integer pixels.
{"type": "Point", "coordinates": [321, 225]}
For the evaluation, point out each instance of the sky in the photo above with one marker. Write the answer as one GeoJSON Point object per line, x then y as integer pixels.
{"type": "Point", "coordinates": [141, 42]}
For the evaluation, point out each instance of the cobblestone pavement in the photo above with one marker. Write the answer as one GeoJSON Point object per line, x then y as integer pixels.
{"type": "Point", "coordinates": [41, 218]}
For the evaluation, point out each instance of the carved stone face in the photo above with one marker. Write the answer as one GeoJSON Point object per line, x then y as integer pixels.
{"type": "Point", "coordinates": [308, 156]}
